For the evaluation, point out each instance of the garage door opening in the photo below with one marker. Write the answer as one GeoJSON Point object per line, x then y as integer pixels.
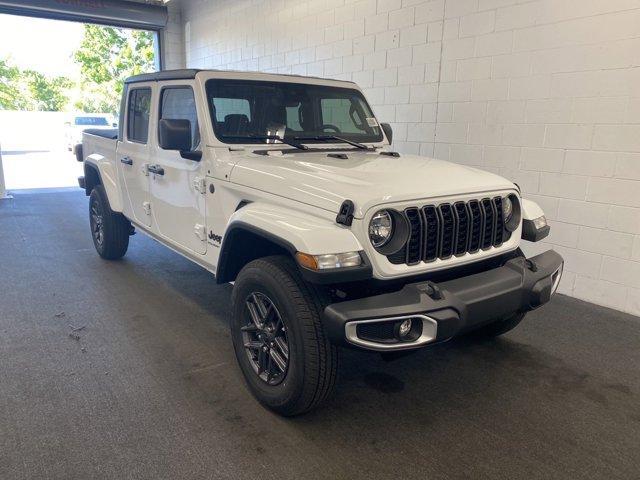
{"type": "Point", "coordinates": [58, 78]}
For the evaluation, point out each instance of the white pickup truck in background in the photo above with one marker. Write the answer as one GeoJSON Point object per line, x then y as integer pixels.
{"type": "Point", "coordinates": [80, 122]}
{"type": "Point", "coordinates": [287, 186]}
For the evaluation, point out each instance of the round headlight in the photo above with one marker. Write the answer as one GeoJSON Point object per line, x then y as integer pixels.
{"type": "Point", "coordinates": [511, 212]}
{"type": "Point", "coordinates": [380, 228]}
{"type": "Point", "coordinates": [507, 209]}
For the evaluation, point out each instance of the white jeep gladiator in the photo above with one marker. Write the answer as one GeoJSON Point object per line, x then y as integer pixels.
{"type": "Point", "coordinates": [287, 187]}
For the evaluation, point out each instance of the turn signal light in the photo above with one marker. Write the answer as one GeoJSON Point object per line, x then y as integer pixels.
{"type": "Point", "coordinates": [329, 260]}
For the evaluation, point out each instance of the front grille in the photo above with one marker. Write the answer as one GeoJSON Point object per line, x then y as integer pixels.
{"type": "Point", "coordinates": [452, 229]}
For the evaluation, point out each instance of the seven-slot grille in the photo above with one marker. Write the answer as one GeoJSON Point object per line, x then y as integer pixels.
{"type": "Point", "coordinates": [442, 231]}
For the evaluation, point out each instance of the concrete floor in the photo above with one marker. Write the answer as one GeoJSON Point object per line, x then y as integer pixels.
{"type": "Point", "coordinates": [151, 389]}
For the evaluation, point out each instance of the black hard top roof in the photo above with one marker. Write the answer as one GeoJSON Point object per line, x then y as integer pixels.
{"type": "Point", "coordinates": [190, 74]}
{"type": "Point", "coordinates": [183, 74]}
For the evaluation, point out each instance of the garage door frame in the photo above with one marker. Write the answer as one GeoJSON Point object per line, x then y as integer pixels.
{"type": "Point", "coordinates": [116, 13]}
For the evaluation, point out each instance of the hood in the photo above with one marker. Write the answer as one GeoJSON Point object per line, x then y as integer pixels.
{"type": "Point", "coordinates": [366, 178]}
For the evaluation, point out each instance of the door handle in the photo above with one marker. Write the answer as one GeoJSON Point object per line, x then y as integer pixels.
{"type": "Point", "coordinates": [126, 161]}
{"type": "Point", "coordinates": [155, 169]}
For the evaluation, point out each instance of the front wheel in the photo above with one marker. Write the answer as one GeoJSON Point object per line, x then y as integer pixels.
{"type": "Point", "coordinates": [109, 229]}
{"type": "Point", "coordinates": [279, 341]}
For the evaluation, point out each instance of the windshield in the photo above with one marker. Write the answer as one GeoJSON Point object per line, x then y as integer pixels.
{"type": "Point", "coordinates": [245, 111]}
{"type": "Point", "coordinates": [93, 121]}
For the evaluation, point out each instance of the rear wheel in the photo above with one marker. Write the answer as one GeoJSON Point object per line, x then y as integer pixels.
{"type": "Point", "coordinates": [109, 229]}
{"type": "Point", "coordinates": [500, 327]}
{"type": "Point", "coordinates": [279, 341]}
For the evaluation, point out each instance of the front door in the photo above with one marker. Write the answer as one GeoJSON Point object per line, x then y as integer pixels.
{"type": "Point", "coordinates": [133, 155]}
{"type": "Point", "coordinates": [177, 185]}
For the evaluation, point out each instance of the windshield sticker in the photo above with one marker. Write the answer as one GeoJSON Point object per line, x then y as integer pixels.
{"type": "Point", "coordinates": [372, 122]}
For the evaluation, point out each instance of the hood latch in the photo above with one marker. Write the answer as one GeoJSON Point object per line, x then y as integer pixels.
{"type": "Point", "coordinates": [345, 215]}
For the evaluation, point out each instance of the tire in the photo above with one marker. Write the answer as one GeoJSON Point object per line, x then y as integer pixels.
{"type": "Point", "coordinates": [500, 327]}
{"type": "Point", "coordinates": [311, 365]}
{"type": "Point", "coordinates": [109, 230]}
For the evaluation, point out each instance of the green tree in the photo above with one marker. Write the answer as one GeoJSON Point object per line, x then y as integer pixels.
{"type": "Point", "coordinates": [107, 56]}
{"type": "Point", "coordinates": [10, 95]}
{"type": "Point", "coordinates": [47, 94]}
{"type": "Point", "coordinates": [31, 90]}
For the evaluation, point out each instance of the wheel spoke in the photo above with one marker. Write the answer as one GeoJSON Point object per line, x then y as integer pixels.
{"type": "Point", "coordinates": [282, 345]}
{"type": "Point", "coordinates": [280, 362]}
{"type": "Point", "coordinates": [255, 315]}
{"type": "Point", "coordinates": [249, 328]}
{"type": "Point", "coordinates": [262, 361]}
{"type": "Point", "coordinates": [267, 366]}
{"type": "Point", "coordinates": [262, 308]}
{"type": "Point", "coordinates": [253, 345]}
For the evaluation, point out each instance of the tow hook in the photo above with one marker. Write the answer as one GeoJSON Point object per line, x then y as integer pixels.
{"type": "Point", "coordinates": [432, 290]}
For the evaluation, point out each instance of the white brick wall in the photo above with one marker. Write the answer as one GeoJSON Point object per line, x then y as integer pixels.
{"type": "Point", "coordinates": [173, 39]}
{"type": "Point", "coordinates": [562, 92]}
{"type": "Point", "coordinates": [545, 92]}
{"type": "Point", "coordinates": [391, 48]}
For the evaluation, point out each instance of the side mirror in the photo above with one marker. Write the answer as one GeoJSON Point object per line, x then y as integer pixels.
{"type": "Point", "coordinates": [174, 134]}
{"type": "Point", "coordinates": [388, 131]}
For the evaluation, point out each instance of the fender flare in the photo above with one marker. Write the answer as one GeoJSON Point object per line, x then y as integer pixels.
{"type": "Point", "coordinates": [286, 231]}
{"type": "Point", "coordinates": [103, 169]}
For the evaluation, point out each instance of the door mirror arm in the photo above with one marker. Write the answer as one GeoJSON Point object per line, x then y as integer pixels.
{"type": "Point", "coordinates": [195, 155]}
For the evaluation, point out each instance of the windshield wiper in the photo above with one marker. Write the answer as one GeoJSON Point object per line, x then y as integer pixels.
{"type": "Point", "coordinates": [268, 137]}
{"type": "Point", "coordinates": [324, 138]}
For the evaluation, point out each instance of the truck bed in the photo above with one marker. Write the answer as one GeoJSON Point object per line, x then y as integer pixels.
{"type": "Point", "coordinates": [110, 133]}
{"type": "Point", "coordinates": [99, 146]}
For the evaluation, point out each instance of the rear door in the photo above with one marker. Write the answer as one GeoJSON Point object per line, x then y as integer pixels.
{"type": "Point", "coordinates": [133, 153]}
{"type": "Point", "coordinates": [177, 195]}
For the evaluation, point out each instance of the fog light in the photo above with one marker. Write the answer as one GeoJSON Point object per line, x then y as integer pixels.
{"type": "Point", "coordinates": [405, 328]}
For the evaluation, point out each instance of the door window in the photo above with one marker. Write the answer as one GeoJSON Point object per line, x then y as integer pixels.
{"type": "Point", "coordinates": [178, 103]}
{"type": "Point", "coordinates": [138, 115]}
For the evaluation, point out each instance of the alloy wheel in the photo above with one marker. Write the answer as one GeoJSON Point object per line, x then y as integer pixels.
{"type": "Point", "coordinates": [264, 337]}
{"type": "Point", "coordinates": [97, 223]}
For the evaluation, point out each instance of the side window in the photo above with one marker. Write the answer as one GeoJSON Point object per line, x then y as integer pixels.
{"type": "Point", "coordinates": [178, 103]}
{"type": "Point", "coordinates": [138, 112]}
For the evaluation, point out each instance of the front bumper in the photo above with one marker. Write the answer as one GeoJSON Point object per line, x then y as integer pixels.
{"type": "Point", "coordinates": [448, 308]}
